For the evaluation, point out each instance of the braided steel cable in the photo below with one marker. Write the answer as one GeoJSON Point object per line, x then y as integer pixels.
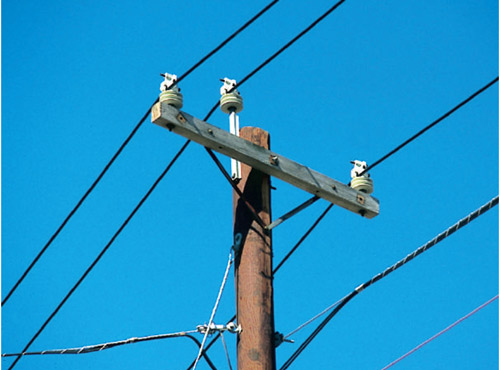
{"type": "Point", "coordinates": [103, 251]}
{"type": "Point", "coordinates": [100, 347]}
{"type": "Point", "coordinates": [108, 345]}
{"type": "Point", "coordinates": [461, 223]}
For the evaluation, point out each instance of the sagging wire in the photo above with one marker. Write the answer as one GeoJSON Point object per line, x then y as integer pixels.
{"type": "Point", "coordinates": [127, 140]}
{"type": "Point", "coordinates": [461, 223]}
{"type": "Point", "coordinates": [103, 251]}
{"type": "Point", "coordinates": [108, 345]}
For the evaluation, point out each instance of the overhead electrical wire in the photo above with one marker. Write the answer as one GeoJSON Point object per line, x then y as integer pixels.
{"type": "Point", "coordinates": [214, 310]}
{"type": "Point", "coordinates": [127, 140]}
{"type": "Point", "coordinates": [161, 176]}
{"type": "Point", "coordinates": [282, 49]}
{"type": "Point", "coordinates": [103, 251]}
{"type": "Point", "coordinates": [213, 109]}
{"type": "Point", "coordinates": [432, 124]}
{"type": "Point", "coordinates": [421, 132]}
{"type": "Point", "coordinates": [275, 270]}
{"type": "Point", "coordinates": [108, 345]}
{"type": "Point", "coordinates": [461, 223]}
{"type": "Point", "coordinates": [246, 78]}
{"type": "Point", "coordinates": [441, 332]}
{"type": "Point", "coordinates": [310, 201]}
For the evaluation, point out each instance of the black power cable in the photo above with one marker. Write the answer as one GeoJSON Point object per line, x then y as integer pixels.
{"type": "Point", "coordinates": [250, 75]}
{"type": "Point", "coordinates": [432, 124]}
{"type": "Point", "coordinates": [349, 297]}
{"type": "Point", "coordinates": [127, 140]}
{"type": "Point", "coordinates": [461, 223]}
{"type": "Point", "coordinates": [92, 265]}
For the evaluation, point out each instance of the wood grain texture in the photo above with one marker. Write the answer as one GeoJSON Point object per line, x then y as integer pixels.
{"type": "Point", "coordinates": [264, 160]}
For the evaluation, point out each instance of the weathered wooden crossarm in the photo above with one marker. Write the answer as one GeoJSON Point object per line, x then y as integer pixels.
{"type": "Point", "coordinates": [264, 160]}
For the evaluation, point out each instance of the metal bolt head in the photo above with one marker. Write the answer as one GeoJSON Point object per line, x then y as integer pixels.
{"type": "Point", "coordinates": [273, 159]}
{"type": "Point", "coordinates": [181, 118]}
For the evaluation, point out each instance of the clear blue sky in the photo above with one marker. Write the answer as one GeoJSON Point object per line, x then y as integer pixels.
{"type": "Point", "coordinates": [76, 78]}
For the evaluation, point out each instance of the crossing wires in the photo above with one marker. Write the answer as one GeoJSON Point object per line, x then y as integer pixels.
{"type": "Point", "coordinates": [399, 147]}
{"type": "Point", "coordinates": [457, 226]}
{"type": "Point", "coordinates": [127, 140]}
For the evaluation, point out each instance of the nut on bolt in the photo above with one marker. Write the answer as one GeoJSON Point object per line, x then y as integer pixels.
{"type": "Point", "coordinates": [273, 159]}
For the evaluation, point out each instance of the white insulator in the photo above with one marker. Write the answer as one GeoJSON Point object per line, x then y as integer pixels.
{"type": "Point", "coordinates": [361, 183]}
{"type": "Point", "coordinates": [172, 97]}
{"type": "Point", "coordinates": [170, 93]}
{"type": "Point", "coordinates": [231, 100]}
{"type": "Point", "coordinates": [360, 179]}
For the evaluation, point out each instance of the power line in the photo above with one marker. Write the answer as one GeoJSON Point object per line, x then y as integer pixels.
{"type": "Point", "coordinates": [282, 49]}
{"type": "Point", "coordinates": [73, 211]}
{"type": "Point", "coordinates": [214, 310]}
{"type": "Point", "coordinates": [435, 122]}
{"type": "Point", "coordinates": [373, 165]}
{"type": "Point", "coordinates": [185, 145]}
{"type": "Point", "coordinates": [313, 226]}
{"type": "Point", "coordinates": [441, 332]}
{"type": "Point", "coordinates": [92, 265]}
{"type": "Point", "coordinates": [463, 222]}
{"type": "Point", "coordinates": [108, 345]}
{"type": "Point", "coordinates": [222, 44]}
{"type": "Point", "coordinates": [250, 75]}
{"type": "Point", "coordinates": [127, 140]}
{"type": "Point", "coordinates": [102, 346]}
{"type": "Point", "coordinates": [432, 124]}
{"type": "Point", "coordinates": [275, 270]}
{"type": "Point", "coordinates": [225, 350]}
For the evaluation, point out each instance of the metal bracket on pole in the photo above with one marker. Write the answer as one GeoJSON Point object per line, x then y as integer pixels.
{"type": "Point", "coordinates": [264, 160]}
{"type": "Point", "coordinates": [234, 128]}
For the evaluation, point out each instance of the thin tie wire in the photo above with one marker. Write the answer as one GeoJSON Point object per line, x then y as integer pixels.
{"type": "Point", "coordinates": [313, 226]}
{"type": "Point", "coordinates": [274, 271]}
{"type": "Point", "coordinates": [225, 350]}
{"type": "Point", "coordinates": [229, 262]}
{"type": "Point", "coordinates": [461, 223]}
{"type": "Point", "coordinates": [441, 332]}
{"type": "Point", "coordinates": [300, 327]}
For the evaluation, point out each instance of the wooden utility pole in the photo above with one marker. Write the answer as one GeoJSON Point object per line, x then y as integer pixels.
{"type": "Point", "coordinates": [252, 243]}
{"type": "Point", "coordinates": [253, 265]}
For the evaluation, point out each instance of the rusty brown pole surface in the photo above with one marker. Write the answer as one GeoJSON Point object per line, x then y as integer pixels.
{"type": "Point", "coordinates": [253, 266]}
